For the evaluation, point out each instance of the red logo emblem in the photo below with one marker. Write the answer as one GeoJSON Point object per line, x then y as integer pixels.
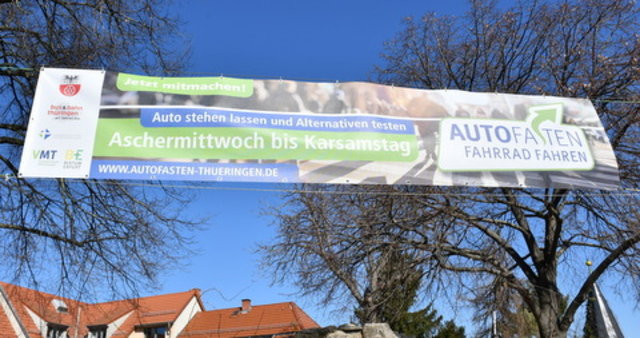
{"type": "Point", "coordinates": [70, 85]}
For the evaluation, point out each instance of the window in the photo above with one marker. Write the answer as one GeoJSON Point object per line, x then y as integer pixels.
{"type": "Point", "coordinates": [98, 331]}
{"type": "Point", "coordinates": [60, 305]}
{"type": "Point", "coordinates": [156, 332]}
{"type": "Point", "coordinates": [56, 331]}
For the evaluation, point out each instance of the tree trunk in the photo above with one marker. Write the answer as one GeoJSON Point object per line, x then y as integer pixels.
{"type": "Point", "coordinates": [549, 310]}
{"type": "Point", "coordinates": [548, 327]}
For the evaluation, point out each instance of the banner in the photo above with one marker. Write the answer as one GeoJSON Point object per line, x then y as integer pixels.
{"type": "Point", "coordinates": [106, 125]}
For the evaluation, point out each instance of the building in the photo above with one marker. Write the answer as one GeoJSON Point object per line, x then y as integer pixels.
{"type": "Point", "coordinates": [29, 313]}
{"type": "Point", "coordinates": [280, 319]}
{"type": "Point", "coordinates": [600, 321]}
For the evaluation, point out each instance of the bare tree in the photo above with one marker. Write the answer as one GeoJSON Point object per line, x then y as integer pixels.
{"type": "Point", "coordinates": [77, 233]}
{"type": "Point", "coordinates": [340, 245]}
{"type": "Point", "coordinates": [494, 298]}
{"type": "Point", "coordinates": [528, 238]}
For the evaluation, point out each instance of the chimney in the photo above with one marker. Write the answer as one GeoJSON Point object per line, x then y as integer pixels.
{"type": "Point", "coordinates": [246, 305]}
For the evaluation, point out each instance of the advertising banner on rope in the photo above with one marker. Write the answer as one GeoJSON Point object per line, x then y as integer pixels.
{"type": "Point", "coordinates": [107, 125]}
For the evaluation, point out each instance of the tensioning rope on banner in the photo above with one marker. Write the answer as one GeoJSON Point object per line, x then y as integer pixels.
{"type": "Point", "coordinates": [268, 77]}
{"type": "Point", "coordinates": [621, 192]}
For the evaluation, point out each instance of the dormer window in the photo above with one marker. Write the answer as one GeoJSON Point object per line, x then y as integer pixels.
{"type": "Point", "coordinates": [60, 306]}
{"type": "Point", "coordinates": [98, 331]}
{"type": "Point", "coordinates": [56, 331]}
{"type": "Point", "coordinates": [161, 331]}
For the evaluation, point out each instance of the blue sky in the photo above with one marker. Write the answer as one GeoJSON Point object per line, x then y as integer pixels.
{"type": "Point", "coordinates": [314, 40]}
{"type": "Point", "coordinates": [326, 40]}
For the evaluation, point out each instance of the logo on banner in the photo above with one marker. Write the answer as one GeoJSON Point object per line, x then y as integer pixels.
{"type": "Point", "coordinates": [70, 85]}
{"type": "Point", "coordinates": [65, 111]}
{"type": "Point", "coordinates": [45, 134]}
{"type": "Point", "coordinates": [73, 158]}
{"type": "Point", "coordinates": [540, 143]}
{"type": "Point", "coordinates": [45, 154]}
{"type": "Point", "coordinates": [45, 157]}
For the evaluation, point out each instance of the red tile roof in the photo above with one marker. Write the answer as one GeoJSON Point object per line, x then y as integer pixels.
{"type": "Point", "coordinates": [25, 300]}
{"type": "Point", "coordinates": [5, 324]}
{"type": "Point", "coordinates": [157, 309]}
{"type": "Point", "coordinates": [259, 320]}
{"type": "Point", "coordinates": [79, 315]}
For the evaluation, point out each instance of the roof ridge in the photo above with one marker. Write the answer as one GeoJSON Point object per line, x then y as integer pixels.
{"type": "Point", "coordinates": [252, 306]}
{"type": "Point", "coordinates": [144, 297]}
{"type": "Point", "coordinates": [41, 293]}
{"type": "Point", "coordinates": [295, 314]}
{"type": "Point", "coordinates": [302, 313]}
{"type": "Point", "coordinates": [2, 283]}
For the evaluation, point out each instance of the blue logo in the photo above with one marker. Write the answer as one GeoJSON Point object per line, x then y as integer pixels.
{"type": "Point", "coordinates": [45, 133]}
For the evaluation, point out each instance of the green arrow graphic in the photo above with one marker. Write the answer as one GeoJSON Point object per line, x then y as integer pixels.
{"type": "Point", "coordinates": [542, 115]}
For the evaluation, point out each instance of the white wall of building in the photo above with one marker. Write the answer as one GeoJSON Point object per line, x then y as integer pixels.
{"type": "Point", "coordinates": [192, 308]}
{"type": "Point", "coordinates": [40, 323]}
{"type": "Point", "coordinates": [113, 326]}
{"type": "Point", "coordinates": [6, 308]}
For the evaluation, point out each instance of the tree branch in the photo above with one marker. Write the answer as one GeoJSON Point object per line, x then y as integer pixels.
{"type": "Point", "coordinates": [56, 237]}
{"type": "Point", "coordinates": [581, 296]}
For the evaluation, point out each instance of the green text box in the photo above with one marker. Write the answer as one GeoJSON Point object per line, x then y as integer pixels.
{"type": "Point", "coordinates": [127, 138]}
{"type": "Point", "coordinates": [186, 85]}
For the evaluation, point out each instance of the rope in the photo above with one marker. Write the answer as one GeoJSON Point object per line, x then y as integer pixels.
{"type": "Point", "coordinates": [268, 77]}
{"type": "Point", "coordinates": [621, 192]}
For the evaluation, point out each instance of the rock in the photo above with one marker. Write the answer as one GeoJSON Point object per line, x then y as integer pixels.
{"type": "Point", "coordinates": [378, 330]}
{"type": "Point", "coordinates": [342, 334]}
